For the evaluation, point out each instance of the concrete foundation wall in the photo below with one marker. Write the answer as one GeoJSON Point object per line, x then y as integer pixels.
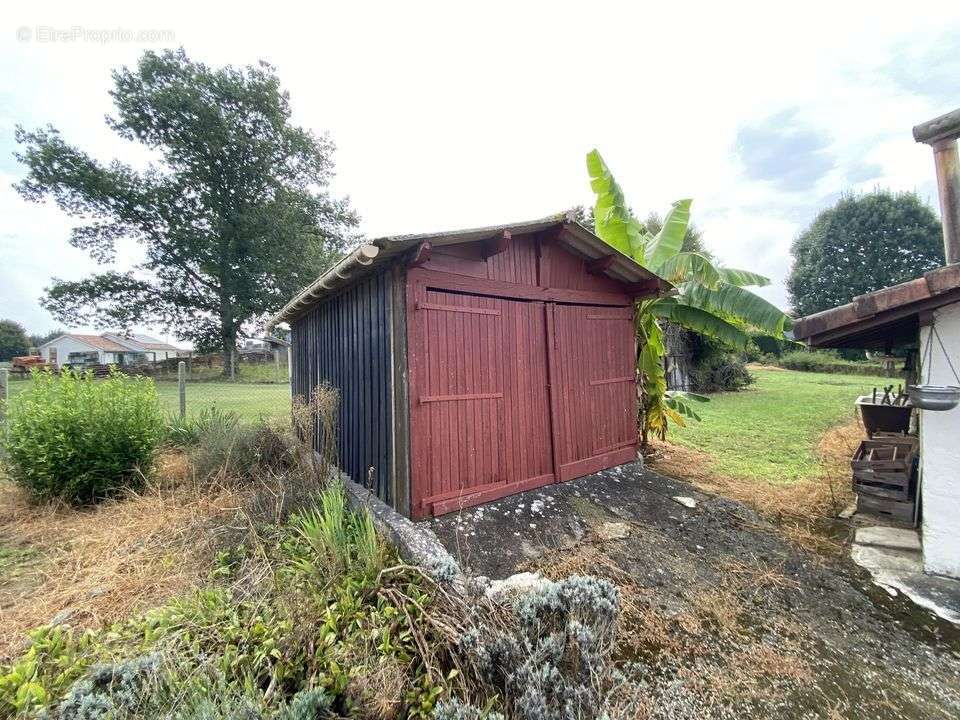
{"type": "Point", "coordinates": [940, 453]}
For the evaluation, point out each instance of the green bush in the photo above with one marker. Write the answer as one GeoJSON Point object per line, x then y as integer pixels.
{"type": "Point", "coordinates": [80, 439]}
{"type": "Point", "coordinates": [717, 373]}
{"type": "Point", "coordinates": [336, 541]}
{"type": "Point", "coordinates": [766, 345]}
{"type": "Point", "coordinates": [823, 361]}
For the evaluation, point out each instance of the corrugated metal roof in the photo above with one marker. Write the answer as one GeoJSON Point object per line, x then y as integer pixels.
{"type": "Point", "coordinates": [385, 249]}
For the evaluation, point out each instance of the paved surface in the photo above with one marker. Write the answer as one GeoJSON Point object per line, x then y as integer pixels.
{"type": "Point", "coordinates": [722, 617]}
{"type": "Point", "coordinates": [893, 556]}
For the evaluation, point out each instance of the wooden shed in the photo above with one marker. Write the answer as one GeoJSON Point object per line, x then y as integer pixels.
{"type": "Point", "coordinates": [477, 363]}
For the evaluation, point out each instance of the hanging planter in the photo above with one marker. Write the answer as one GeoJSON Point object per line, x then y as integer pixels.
{"type": "Point", "coordinates": [935, 397]}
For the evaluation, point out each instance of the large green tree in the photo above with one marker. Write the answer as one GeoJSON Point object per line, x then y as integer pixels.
{"type": "Point", "coordinates": [233, 216]}
{"type": "Point", "coordinates": [710, 300]}
{"type": "Point", "coordinates": [861, 244]}
{"type": "Point", "coordinates": [13, 340]}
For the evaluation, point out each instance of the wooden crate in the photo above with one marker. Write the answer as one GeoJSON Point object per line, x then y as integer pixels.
{"type": "Point", "coordinates": [883, 468]}
{"type": "Point", "coordinates": [897, 510]}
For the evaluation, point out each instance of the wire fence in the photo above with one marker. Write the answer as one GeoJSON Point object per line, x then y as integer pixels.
{"type": "Point", "coordinates": [252, 385]}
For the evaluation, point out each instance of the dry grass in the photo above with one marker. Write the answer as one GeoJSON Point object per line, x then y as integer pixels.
{"type": "Point", "coordinates": [723, 647]}
{"type": "Point", "coordinates": [803, 509]}
{"type": "Point", "coordinates": [102, 564]}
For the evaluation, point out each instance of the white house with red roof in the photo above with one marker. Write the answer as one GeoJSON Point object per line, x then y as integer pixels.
{"type": "Point", "coordinates": [79, 350]}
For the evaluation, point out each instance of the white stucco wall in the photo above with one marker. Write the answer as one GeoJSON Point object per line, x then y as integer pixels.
{"type": "Point", "coordinates": [65, 346]}
{"type": "Point", "coordinates": [940, 453]}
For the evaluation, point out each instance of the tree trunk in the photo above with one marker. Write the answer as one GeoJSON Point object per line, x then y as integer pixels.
{"type": "Point", "coordinates": [228, 338]}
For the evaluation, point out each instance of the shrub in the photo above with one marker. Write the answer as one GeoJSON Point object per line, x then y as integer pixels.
{"type": "Point", "coordinates": [551, 659]}
{"type": "Point", "coordinates": [767, 345]}
{"type": "Point", "coordinates": [81, 440]}
{"type": "Point", "coordinates": [185, 432]}
{"type": "Point", "coordinates": [715, 373]}
{"type": "Point", "coordinates": [228, 449]}
{"type": "Point", "coordinates": [109, 691]}
{"type": "Point", "coordinates": [826, 362]}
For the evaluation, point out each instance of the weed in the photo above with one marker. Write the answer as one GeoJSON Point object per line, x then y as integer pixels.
{"type": "Point", "coordinates": [337, 541]}
{"type": "Point", "coordinates": [185, 432]}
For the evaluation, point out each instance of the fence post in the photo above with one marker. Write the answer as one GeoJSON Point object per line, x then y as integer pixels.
{"type": "Point", "coordinates": [182, 383]}
{"type": "Point", "coordinates": [276, 364]}
{"type": "Point", "coordinates": [4, 396]}
{"type": "Point", "coordinates": [233, 365]}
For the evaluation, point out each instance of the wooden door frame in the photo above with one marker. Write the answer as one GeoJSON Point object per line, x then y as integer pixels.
{"type": "Point", "coordinates": [418, 281]}
{"type": "Point", "coordinates": [607, 457]}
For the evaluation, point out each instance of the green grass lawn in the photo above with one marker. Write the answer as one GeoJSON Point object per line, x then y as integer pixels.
{"type": "Point", "coordinates": [249, 400]}
{"type": "Point", "coordinates": [770, 430]}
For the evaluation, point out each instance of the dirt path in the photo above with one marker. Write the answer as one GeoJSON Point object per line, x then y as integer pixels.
{"type": "Point", "coordinates": [723, 617]}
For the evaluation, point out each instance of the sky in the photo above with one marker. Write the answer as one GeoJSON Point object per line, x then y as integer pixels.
{"type": "Point", "coordinates": [447, 115]}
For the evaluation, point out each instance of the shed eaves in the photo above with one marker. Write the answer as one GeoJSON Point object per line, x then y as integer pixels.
{"type": "Point", "coordinates": [887, 315]}
{"type": "Point", "coordinates": [384, 249]}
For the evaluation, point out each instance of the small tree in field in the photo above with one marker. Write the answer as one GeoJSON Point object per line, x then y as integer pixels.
{"type": "Point", "coordinates": [233, 219]}
{"type": "Point", "coordinates": [13, 340]}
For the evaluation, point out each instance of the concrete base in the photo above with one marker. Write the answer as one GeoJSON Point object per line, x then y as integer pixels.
{"type": "Point", "coordinates": [894, 558]}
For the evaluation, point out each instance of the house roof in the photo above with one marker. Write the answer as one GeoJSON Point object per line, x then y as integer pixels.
{"type": "Point", "coordinates": [110, 342]}
{"type": "Point", "coordinates": [97, 342]}
{"type": "Point", "coordinates": [385, 249]}
{"type": "Point", "coordinates": [886, 317]}
{"type": "Point", "coordinates": [151, 343]}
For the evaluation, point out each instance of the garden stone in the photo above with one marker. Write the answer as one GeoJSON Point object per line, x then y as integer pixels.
{"type": "Point", "coordinates": [61, 617]}
{"type": "Point", "coordinates": [613, 531]}
{"type": "Point", "coordinates": [517, 584]}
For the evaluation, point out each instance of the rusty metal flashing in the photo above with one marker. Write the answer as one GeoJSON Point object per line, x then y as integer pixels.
{"type": "Point", "coordinates": [869, 313]}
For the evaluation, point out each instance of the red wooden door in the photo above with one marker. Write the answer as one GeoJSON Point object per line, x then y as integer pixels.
{"type": "Point", "coordinates": [593, 388]}
{"type": "Point", "coordinates": [479, 405]}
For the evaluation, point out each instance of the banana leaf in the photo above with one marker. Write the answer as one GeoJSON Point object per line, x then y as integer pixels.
{"type": "Point", "coordinates": [689, 267]}
{"type": "Point", "coordinates": [742, 278]}
{"type": "Point", "coordinates": [700, 320]}
{"type": "Point", "coordinates": [738, 301]}
{"type": "Point", "coordinates": [669, 240]}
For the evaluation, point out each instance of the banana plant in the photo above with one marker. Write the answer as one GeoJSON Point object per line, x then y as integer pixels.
{"type": "Point", "coordinates": [707, 296]}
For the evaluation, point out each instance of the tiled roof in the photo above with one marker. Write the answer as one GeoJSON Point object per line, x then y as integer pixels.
{"type": "Point", "coordinates": [99, 342]}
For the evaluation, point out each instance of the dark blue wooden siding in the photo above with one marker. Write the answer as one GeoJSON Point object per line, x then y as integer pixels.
{"type": "Point", "coordinates": [346, 341]}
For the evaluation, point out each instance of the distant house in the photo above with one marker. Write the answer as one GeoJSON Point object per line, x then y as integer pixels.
{"type": "Point", "coordinates": [79, 350]}
{"type": "Point", "coordinates": [154, 349]}
{"type": "Point", "coordinates": [267, 342]}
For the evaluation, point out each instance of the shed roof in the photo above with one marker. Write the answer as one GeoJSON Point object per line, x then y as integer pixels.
{"type": "Point", "coordinates": [886, 317]}
{"type": "Point", "coordinates": [385, 249]}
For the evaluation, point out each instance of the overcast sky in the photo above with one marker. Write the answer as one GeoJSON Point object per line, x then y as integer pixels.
{"type": "Point", "coordinates": [448, 116]}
